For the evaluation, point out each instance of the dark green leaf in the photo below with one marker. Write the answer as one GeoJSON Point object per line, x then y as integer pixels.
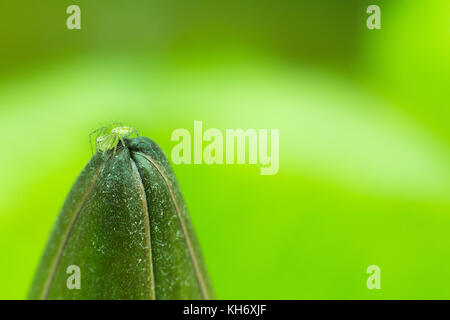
{"type": "Point", "coordinates": [126, 226]}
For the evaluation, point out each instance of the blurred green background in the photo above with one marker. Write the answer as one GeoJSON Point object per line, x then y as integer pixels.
{"type": "Point", "coordinates": [363, 115]}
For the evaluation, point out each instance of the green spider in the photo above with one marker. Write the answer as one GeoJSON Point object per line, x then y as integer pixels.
{"type": "Point", "coordinates": [109, 137]}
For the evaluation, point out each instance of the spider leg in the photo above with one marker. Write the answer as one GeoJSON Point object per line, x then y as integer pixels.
{"type": "Point", "coordinates": [90, 143]}
{"type": "Point", "coordinates": [122, 140]}
{"type": "Point", "coordinates": [95, 131]}
{"type": "Point", "coordinates": [115, 143]}
{"type": "Point", "coordinates": [99, 132]}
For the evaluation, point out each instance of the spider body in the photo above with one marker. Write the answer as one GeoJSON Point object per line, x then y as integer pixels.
{"type": "Point", "coordinates": [108, 138]}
